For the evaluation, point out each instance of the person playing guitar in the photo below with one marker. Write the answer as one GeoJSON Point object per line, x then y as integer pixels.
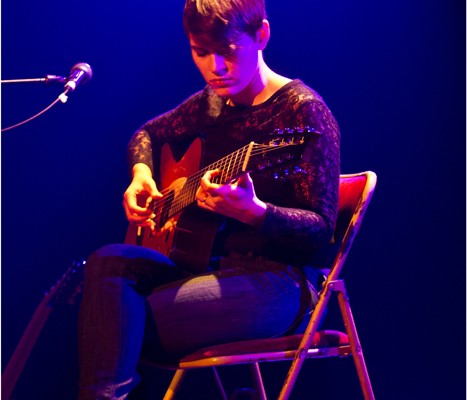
{"type": "Point", "coordinates": [233, 194]}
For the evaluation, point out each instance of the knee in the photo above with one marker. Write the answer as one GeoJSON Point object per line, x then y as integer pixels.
{"type": "Point", "coordinates": [102, 261]}
{"type": "Point", "coordinates": [110, 250]}
{"type": "Point", "coordinates": [130, 252]}
{"type": "Point", "coordinates": [123, 260]}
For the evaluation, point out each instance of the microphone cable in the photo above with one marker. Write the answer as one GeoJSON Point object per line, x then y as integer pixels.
{"type": "Point", "coordinates": [80, 73]}
{"type": "Point", "coordinates": [59, 98]}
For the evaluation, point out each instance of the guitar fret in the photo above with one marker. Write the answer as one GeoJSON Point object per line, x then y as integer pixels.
{"type": "Point", "coordinates": [247, 156]}
{"type": "Point", "coordinates": [281, 147]}
{"type": "Point", "coordinates": [187, 194]}
{"type": "Point", "coordinates": [229, 166]}
{"type": "Point", "coordinates": [232, 169]}
{"type": "Point", "coordinates": [225, 171]}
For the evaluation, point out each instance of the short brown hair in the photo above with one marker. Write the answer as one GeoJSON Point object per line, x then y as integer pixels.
{"type": "Point", "coordinates": [221, 21]}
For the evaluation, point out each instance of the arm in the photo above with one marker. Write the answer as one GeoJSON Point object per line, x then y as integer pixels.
{"type": "Point", "coordinates": [143, 153]}
{"type": "Point", "coordinates": [297, 213]}
{"type": "Point", "coordinates": [236, 200]}
{"type": "Point", "coordinates": [307, 224]}
{"type": "Point", "coordinates": [138, 196]}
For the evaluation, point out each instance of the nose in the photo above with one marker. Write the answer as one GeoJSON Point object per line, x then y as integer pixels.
{"type": "Point", "coordinates": [218, 66]}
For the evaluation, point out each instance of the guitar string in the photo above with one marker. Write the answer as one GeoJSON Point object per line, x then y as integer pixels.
{"type": "Point", "coordinates": [201, 172]}
{"type": "Point", "coordinates": [261, 149]}
{"type": "Point", "coordinates": [187, 189]}
{"type": "Point", "coordinates": [257, 149]}
{"type": "Point", "coordinates": [193, 181]}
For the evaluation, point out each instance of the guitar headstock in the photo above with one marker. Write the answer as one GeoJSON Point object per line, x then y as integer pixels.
{"type": "Point", "coordinates": [290, 136]}
{"type": "Point", "coordinates": [280, 148]}
{"type": "Point", "coordinates": [69, 286]}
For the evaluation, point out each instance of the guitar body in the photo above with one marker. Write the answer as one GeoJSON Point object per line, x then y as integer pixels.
{"type": "Point", "coordinates": [185, 232]}
{"type": "Point", "coordinates": [183, 237]}
{"type": "Point", "coordinates": [194, 237]}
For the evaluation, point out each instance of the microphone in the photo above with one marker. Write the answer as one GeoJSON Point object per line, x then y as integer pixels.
{"type": "Point", "coordinates": [80, 73]}
{"type": "Point", "coordinates": [54, 79]}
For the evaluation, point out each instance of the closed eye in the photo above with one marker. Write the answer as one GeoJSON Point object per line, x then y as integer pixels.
{"type": "Point", "coordinates": [199, 51]}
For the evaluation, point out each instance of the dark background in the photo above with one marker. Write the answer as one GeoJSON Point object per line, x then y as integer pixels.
{"type": "Point", "coordinates": [392, 72]}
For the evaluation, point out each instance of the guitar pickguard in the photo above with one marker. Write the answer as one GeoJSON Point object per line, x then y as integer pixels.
{"type": "Point", "coordinates": [173, 176]}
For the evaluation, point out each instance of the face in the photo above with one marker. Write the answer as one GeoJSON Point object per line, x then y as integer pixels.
{"type": "Point", "coordinates": [234, 71]}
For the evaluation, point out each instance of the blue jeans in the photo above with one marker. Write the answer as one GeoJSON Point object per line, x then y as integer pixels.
{"type": "Point", "coordinates": [138, 303]}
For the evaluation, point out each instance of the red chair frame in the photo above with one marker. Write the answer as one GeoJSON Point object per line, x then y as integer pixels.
{"type": "Point", "coordinates": [355, 192]}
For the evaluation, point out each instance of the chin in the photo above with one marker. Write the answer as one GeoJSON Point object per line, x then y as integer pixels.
{"type": "Point", "coordinates": [223, 92]}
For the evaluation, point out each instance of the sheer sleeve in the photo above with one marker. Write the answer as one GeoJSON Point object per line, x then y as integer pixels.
{"type": "Point", "coordinates": [301, 207]}
{"type": "Point", "coordinates": [176, 125]}
{"type": "Point", "coordinates": [309, 224]}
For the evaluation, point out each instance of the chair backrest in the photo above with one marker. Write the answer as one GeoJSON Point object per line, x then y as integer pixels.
{"type": "Point", "coordinates": [355, 192]}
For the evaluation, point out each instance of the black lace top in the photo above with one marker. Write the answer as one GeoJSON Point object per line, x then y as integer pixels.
{"type": "Point", "coordinates": [301, 205]}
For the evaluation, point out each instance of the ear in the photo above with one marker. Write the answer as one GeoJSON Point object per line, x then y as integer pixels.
{"type": "Point", "coordinates": [263, 34]}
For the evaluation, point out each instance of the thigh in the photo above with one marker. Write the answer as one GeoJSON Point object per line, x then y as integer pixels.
{"type": "Point", "coordinates": [228, 305]}
{"type": "Point", "coordinates": [141, 267]}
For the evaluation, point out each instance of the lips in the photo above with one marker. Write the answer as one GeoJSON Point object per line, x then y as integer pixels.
{"type": "Point", "coordinates": [220, 83]}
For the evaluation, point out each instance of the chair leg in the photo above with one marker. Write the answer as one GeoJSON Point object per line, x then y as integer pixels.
{"type": "Point", "coordinates": [219, 383]}
{"type": "Point", "coordinates": [258, 381]}
{"type": "Point", "coordinates": [180, 374]}
{"type": "Point", "coordinates": [355, 346]}
{"type": "Point", "coordinates": [174, 384]}
{"type": "Point", "coordinates": [305, 344]}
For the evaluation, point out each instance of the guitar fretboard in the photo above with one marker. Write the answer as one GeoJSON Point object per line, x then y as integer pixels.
{"type": "Point", "coordinates": [177, 198]}
{"type": "Point", "coordinates": [182, 194]}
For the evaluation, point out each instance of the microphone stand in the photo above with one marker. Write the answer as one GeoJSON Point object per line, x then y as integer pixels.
{"type": "Point", "coordinates": [48, 79]}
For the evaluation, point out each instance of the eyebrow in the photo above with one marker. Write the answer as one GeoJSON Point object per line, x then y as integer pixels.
{"type": "Point", "coordinates": [196, 47]}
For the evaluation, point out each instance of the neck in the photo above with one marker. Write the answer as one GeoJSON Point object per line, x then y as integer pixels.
{"type": "Point", "coordinates": [265, 83]}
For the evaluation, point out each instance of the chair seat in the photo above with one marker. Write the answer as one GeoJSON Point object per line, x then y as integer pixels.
{"type": "Point", "coordinates": [355, 192]}
{"type": "Point", "coordinates": [272, 348]}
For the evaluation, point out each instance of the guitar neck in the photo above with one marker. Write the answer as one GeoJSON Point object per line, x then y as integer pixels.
{"type": "Point", "coordinates": [186, 240]}
{"type": "Point", "coordinates": [229, 166]}
{"type": "Point", "coordinates": [16, 364]}
{"type": "Point", "coordinates": [70, 281]}
{"type": "Point", "coordinates": [282, 147]}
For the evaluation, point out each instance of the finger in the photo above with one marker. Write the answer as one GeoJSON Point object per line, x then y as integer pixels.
{"type": "Point", "coordinates": [142, 220]}
{"type": "Point", "coordinates": [211, 174]}
{"type": "Point", "coordinates": [206, 180]}
{"type": "Point", "coordinates": [153, 192]}
{"type": "Point", "coordinates": [200, 193]}
{"type": "Point", "coordinates": [143, 211]}
{"type": "Point", "coordinates": [134, 205]}
{"type": "Point", "coordinates": [202, 198]}
{"type": "Point", "coordinates": [130, 198]}
{"type": "Point", "coordinates": [148, 223]}
{"type": "Point", "coordinates": [132, 210]}
{"type": "Point", "coordinates": [244, 181]}
{"type": "Point", "coordinates": [148, 201]}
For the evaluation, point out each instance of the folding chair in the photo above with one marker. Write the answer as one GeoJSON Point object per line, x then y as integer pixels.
{"type": "Point", "coordinates": [355, 192]}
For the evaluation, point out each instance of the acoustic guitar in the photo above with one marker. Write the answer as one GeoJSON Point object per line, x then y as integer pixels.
{"type": "Point", "coordinates": [179, 234]}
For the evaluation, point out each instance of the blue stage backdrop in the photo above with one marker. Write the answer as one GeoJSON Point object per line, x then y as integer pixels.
{"type": "Point", "coordinates": [392, 72]}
